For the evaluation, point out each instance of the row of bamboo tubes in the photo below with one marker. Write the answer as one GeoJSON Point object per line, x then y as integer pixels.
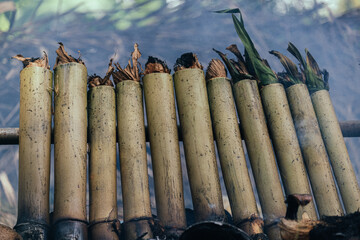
{"type": "Point", "coordinates": [201, 106]}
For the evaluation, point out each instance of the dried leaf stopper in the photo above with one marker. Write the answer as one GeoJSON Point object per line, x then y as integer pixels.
{"type": "Point", "coordinates": [34, 62]}
{"type": "Point", "coordinates": [95, 80]}
{"type": "Point", "coordinates": [187, 60]}
{"type": "Point", "coordinates": [130, 72]}
{"type": "Point", "coordinates": [63, 57]}
{"type": "Point", "coordinates": [215, 69]}
{"type": "Point", "coordinates": [155, 65]}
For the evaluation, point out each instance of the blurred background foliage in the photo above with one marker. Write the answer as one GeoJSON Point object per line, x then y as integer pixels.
{"type": "Point", "coordinates": [101, 29]}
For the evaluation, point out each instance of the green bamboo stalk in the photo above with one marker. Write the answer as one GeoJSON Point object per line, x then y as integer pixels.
{"type": "Point", "coordinates": [260, 152]}
{"type": "Point", "coordinates": [34, 153]}
{"type": "Point", "coordinates": [195, 121]}
{"type": "Point", "coordinates": [278, 114]}
{"type": "Point", "coordinates": [102, 162]}
{"type": "Point", "coordinates": [231, 152]}
{"type": "Point", "coordinates": [317, 82]}
{"type": "Point", "coordinates": [133, 163]}
{"type": "Point", "coordinates": [286, 145]}
{"type": "Point", "coordinates": [165, 153]}
{"type": "Point", "coordinates": [337, 151]}
{"type": "Point", "coordinates": [132, 146]}
{"type": "Point", "coordinates": [70, 150]}
{"type": "Point", "coordinates": [313, 150]}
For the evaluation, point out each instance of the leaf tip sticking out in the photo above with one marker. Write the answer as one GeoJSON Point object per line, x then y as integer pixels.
{"type": "Point", "coordinates": [187, 60]}
{"type": "Point", "coordinates": [132, 71]}
{"type": "Point", "coordinates": [156, 65]}
{"type": "Point", "coordinates": [34, 62]}
{"type": "Point", "coordinates": [291, 75]}
{"type": "Point", "coordinates": [215, 69]}
{"type": "Point", "coordinates": [95, 80]}
{"type": "Point", "coordinates": [237, 69]}
{"type": "Point", "coordinates": [63, 57]}
{"type": "Point", "coordinates": [315, 78]}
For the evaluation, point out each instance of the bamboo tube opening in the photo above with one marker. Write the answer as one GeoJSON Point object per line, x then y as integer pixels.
{"type": "Point", "coordinates": [314, 152]}
{"type": "Point", "coordinates": [34, 151]}
{"type": "Point", "coordinates": [195, 121]}
{"type": "Point", "coordinates": [164, 143]}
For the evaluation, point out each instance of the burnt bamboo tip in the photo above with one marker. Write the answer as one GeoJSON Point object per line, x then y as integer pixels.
{"type": "Point", "coordinates": [187, 60]}
{"type": "Point", "coordinates": [215, 69]}
{"type": "Point", "coordinates": [63, 57]}
{"type": "Point", "coordinates": [95, 80]}
{"type": "Point", "coordinates": [294, 201]}
{"type": "Point", "coordinates": [156, 65]}
{"type": "Point", "coordinates": [132, 70]}
{"type": "Point", "coordinates": [34, 62]}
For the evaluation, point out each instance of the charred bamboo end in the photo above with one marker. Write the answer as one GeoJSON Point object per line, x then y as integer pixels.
{"type": "Point", "coordinates": [294, 201]}
{"type": "Point", "coordinates": [95, 80]}
{"type": "Point", "coordinates": [156, 65]}
{"type": "Point", "coordinates": [70, 229]}
{"type": "Point", "coordinates": [31, 230]}
{"type": "Point", "coordinates": [212, 230]}
{"type": "Point", "coordinates": [187, 60]}
{"type": "Point", "coordinates": [138, 228]}
{"type": "Point", "coordinates": [34, 62]}
{"type": "Point", "coordinates": [132, 71]}
{"type": "Point", "coordinates": [105, 230]}
{"type": "Point", "coordinates": [216, 69]}
{"type": "Point", "coordinates": [63, 57]}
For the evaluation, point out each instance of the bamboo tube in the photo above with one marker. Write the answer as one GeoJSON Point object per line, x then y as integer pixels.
{"type": "Point", "coordinates": [70, 147]}
{"type": "Point", "coordinates": [337, 151]}
{"type": "Point", "coordinates": [286, 144]}
{"type": "Point", "coordinates": [102, 162]}
{"type": "Point", "coordinates": [313, 150]}
{"type": "Point", "coordinates": [34, 153]}
{"type": "Point", "coordinates": [133, 164]}
{"type": "Point", "coordinates": [165, 152]}
{"type": "Point", "coordinates": [231, 152]}
{"type": "Point", "coordinates": [198, 140]}
{"type": "Point", "coordinates": [132, 146]}
{"type": "Point", "coordinates": [260, 152]}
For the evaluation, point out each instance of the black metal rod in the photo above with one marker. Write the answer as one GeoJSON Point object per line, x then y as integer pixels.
{"type": "Point", "coordinates": [10, 136]}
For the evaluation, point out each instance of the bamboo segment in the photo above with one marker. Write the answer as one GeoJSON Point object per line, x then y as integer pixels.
{"type": "Point", "coordinates": [199, 146]}
{"type": "Point", "coordinates": [260, 152]}
{"type": "Point", "coordinates": [133, 163]}
{"type": "Point", "coordinates": [336, 149]}
{"type": "Point", "coordinates": [313, 150]}
{"type": "Point", "coordinates": [70, 147]}
{"type": "Point", "coordinates": [102, 162]}
{"type": "Point", "coordinates": [231, 152]}
{"type": "Point", "coordinates": [34, 153]}
{"type": "Point", "coordinates": [286, 144]}
{"type": "Point", "coordinates": [165, 153]}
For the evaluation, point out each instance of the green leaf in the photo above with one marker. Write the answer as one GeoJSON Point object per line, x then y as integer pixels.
{"type": "Point", "coordinates": [261, 70]}
{"type": "Point", "coordinates": [292, 74]}
{"type": "Point", "coordinates": [233, 10]}
{"type": "Point", "coordinates": [237, 69]}
{"type": "Point", "coordinates": [315, 78]}
{"type": "Point", "coordinates": [295, 52]}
